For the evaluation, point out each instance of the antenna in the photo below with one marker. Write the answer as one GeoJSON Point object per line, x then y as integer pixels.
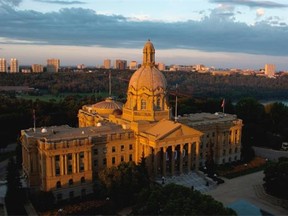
{"type": "Point", "coordinates": [109, 83]}
{"type": "Point", "coordinates": [176, 103]}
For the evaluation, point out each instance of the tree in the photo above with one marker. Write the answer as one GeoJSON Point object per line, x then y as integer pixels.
{"type": "Point", "coordinates": [174, 199]}
{"type": "Point", "coordinates": [14, 195]}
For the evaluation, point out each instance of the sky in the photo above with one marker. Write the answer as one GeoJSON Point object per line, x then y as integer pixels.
{"type": "Point", "coordinates": [244, 34]}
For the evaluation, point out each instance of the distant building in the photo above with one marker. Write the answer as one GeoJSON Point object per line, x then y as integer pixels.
{"type": "Point", "coordinates": [14, 67]}
{"type": "Point", "coordinates": [81, 66]}
{"type": "Point", "coordinates": [120, 64]}
{"type": "Point", "coordinates": [161, 66]}
{"type": "Point", "coordinates": [37, 68]}
{"type": "Point", "coordinates": [3, 65]}
{"type": "Point", "coordinates": [107, 63]}
{"type": "Point", "coordinates": [270, 70]}
{"type": "Point", "coordinates": [53, 65]}
{"type": "Point", "coordinates": [133, 65]}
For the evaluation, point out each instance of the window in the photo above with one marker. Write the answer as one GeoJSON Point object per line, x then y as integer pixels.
{"type": "Point", "coordinates": [213, 134]}
{"type": "Point", "coordinates": [81, 167]}
{"type": "Point", "coordinates": [122, 158]}
{"type": "Point", "coordinates": [81, 154]}
{"type": "Point", "coordinates": [57, 158]}
{"type": "Point", "coordinates": [122, 147]}
{"type": "Point", "coordinates": [82, 180]}
{"type": "Point", "coordinates": [83, 192]}
{"type": "Point", "coordinates": [58, 184]}
{"type": "Point", "coordinates": [69, 168]}
{"type": "Point", "coordinates": [95, 151]}
{"type": "Point", "coordinates": [113, 160]}
{"type": "Point", "coordinates": [113, 149]}
{"type": "Point", "coordinates": [104, 150]}
{"type": "Point", "coordinates": [130, 157]}
{"type": "Point", "coordinates": [57, 170]}
{"type": "Point", "coordinates": [69, 156]}
{"type": "Point", "coordinates": [130, 147]}
{"type": "Point", "coordinates": [70, 182]}
{"type": "Point", "coordinates": [236, 149]}
{"type": "Point", "coordinates": [224, 152]}
{"type": "Point", "coordinates": [143, 104]}
{"type": "Point", "coordinates": [158, 103]}
{"type": "Point", "coordinates": [104, 161]}
{"type": "Point", "coordinates": [95, 163]}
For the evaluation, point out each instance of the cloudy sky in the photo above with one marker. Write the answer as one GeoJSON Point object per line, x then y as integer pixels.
{"type": "Point", "coordinates": [220, 33]}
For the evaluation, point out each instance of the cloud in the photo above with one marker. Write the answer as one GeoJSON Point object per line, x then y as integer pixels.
{"type": "Point", "coordinates": [64, 2]}
{"type": "Point", "coordinates": [218, 32]}
{"type": "Point", "coordinates": [10, 2]}
{"type": "Point", "coordinates": [260, 12]}
{"type": "Point", "coordinates": [252, 3]}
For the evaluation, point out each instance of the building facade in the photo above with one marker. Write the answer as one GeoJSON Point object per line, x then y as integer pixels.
{"type": "Point", "coordinates": [53, 65]}
{"type": "Point", "coordinates": [3, 65]}
{"type": "Point", "coordinates": [14, 66]}
{"type": "Point", "coordinates": [270, 70]}
{"type": "Point", "coordinates": [107, 64]}
{"type": "Point", "coordinates": [120, 64]}
{"type": "Point", "coordinates": [66, 160]}
{"type": "Point", "coordinates": [37, 68]}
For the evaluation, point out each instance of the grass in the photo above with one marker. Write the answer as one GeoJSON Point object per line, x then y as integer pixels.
{"type": "Point", "coordinates": [257, 164]}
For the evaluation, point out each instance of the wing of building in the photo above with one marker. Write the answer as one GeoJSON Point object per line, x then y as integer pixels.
{"type": "Point", "coordinates": [66, 160]}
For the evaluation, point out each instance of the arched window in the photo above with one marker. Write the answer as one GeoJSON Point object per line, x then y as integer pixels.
{"type": "Point", "coordinates": [82, 180]}
{"type": "Point", "coordinates": [143, 104]}
{"type": "Point", "coordinates": [58, 184]}
{"type": "Point", "coordinates": [158, 103]}
{"type": "Point", "coordinates": [70, 182]}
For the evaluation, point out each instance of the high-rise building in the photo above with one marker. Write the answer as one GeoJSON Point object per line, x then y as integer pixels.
{"type": "Point", "coordinates": [133, 65]}
{"type": "Point", "coordinates": [66, 160]}
{"type": "Point", "coordinates": [3, 65]}
{"type": "Point", "coordinates": [107, 63]}
{"type": "Point", "coordinates": [120, 64]}
{"type": "Point", "coordinates": [53, 65]}
{"type": "Point", "coordinates": [270, 70]}
{"type": "Point", "coordinates": [37, 68]}
{"type": "Point", "coordinates": [14, 67]}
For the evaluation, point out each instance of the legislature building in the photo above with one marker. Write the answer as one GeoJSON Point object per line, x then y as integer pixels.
{"type": "Point", "coordinates": [66, 160]}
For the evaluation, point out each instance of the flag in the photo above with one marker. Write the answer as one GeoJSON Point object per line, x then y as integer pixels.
{"type": "Point", "coordinates": [223, 103]}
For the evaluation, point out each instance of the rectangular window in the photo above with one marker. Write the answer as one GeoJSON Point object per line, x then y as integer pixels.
{"type": "Point", "coordinates": [113, 160]}
{"type": "Point", "coordinates": [81, 154]}
{"type": "Point", "coordinates": [113, 149]}
{"type": "Point", "coordinates": [69, 156]}
{"type": "Point", "coordinates": [104, 161]}
{"type": "Point", "coordinates": [104, 150]}
{"type": "Point", "coordinates": [130, 147]}
{"type": "Point", "coordinates": [95, 163]}
{"type": "Point", "coordinates": [130, 157]}
{"type": "Point", "coordinates": [57, 171]}
{"type": "Point", "coordinates": [122, 147]}
{"type": "Point", "coordinates": [95, 151]}
{"type": "Point", "coordinates": [81, 167]}
{"type": "Point", "coordinates": [57, 158]}
{"type": "Point", "coordinates": [69, 169]}
{"type": "Point", "coordinates": [122, 158]}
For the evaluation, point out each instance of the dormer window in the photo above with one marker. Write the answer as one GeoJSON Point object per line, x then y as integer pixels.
{"type": "Point", "coordinates": [143, 104]}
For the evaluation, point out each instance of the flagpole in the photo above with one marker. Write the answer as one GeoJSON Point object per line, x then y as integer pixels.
{"type": "Point", "coordinates": [34, 120]}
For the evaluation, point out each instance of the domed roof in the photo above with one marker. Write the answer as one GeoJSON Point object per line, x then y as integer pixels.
{"type": "Point", "coordinates": [107, 106]}
{"type": "Point", "coordinates": [148, 77]}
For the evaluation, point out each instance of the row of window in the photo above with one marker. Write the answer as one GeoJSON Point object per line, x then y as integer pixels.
{"type": "Point", "coordinates": [70, 182]}
{"type": "Point", "coordinates": [113, 149]}
{"type": "Point", "coordinates": [224, 133]}
{"type": "Point", "coordinates": [113, 160]}
{"type": "Point", "coordinates": [59, 196]}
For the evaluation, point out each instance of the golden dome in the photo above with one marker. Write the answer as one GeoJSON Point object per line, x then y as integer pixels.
{"type": "Point", "coordinates": [148, 77]}
{"type": "Point", "coordinates": [107, 106]}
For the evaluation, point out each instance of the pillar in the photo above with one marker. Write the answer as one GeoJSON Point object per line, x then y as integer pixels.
{"type": "Point", "coordinates": [197, 155]}
{"type": "Point", "coordinates": [164, 161]}
{"type": "Point", "coordinates": [74, 163]}
{"type": "Point", "coordinates": [181, 159]}
{"type": "Point", "coordinates": [156, 155]}
{"type": "Point", "coordinates": [173, 160]}
{"type": "Point", "coordinates": [65, 164]}
{"type": "Point", "coordinates": [189, 156]}
{"type": "Point", "coordinates": [52, 159]}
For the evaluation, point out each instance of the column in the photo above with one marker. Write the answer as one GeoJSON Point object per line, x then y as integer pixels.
{"type": "Point", "coordinates": [181, 159]}
{"type": "Point", "coordinates": [86, 161]}
{"type": "Point", "coordinates": [164, 161]}
{"type": "Point", "coordinates": [156, 155]}
{"type": "Point", "coordinates": [74, 163]}
{"type": "Point", "coordinates": [65, 164]}
{"type": "Point", "coordinates": [77, 162]}
{"type": "Point", "coordinates": [197, 155]}
{"type": "Point", "coordinates": [52, 159]}
{"type": "Point", "coordinates": [173, 160]}
{"type": "Point", "coordinates": [189, 156]}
